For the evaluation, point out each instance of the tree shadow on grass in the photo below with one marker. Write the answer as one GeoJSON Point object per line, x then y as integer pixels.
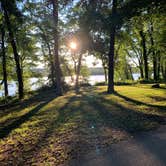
{"type": "Point", "coordinates": [157, 98]}
{"type": "Point", "coordinates": [5, 131]}
{"type": "Point", "coordinates": [163, 108]}
{"type": "Point", "coordinates": [124, 117]}
{"type": "Point", "coordinates": [19, 106]}
{"type": "Point", "coordinates": [65, 114]}
{"type": "Point", "coordinates": [32, 143]}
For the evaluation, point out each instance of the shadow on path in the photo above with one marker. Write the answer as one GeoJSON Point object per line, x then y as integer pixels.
{"type": "Point", "coordinates": [146, 148]}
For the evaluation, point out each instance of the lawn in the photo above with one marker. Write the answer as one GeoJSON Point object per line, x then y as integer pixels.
{"type": "Point", "coordinates": [50, 130]}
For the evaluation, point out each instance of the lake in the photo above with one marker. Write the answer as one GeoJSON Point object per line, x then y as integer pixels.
{"type": "Point", "coordinates": [35, 83]}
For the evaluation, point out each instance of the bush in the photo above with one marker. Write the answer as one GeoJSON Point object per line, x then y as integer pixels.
{"type": "Point", "coordinates": [127, 82]}
{"type": "Point", "coordinates": [44, 88]}
{"type": "Point", "coordinates": [9, 99]}
{"type": "Point", "coordinates": [144, 81]}
{"type": "Point", "coordinates": [100, 84]}
{"type": "Point", "coordinates": [66, 87]}
{"type": "Point", "coordinates": [85, 84]}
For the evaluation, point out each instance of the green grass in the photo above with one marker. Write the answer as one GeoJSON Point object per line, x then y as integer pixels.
{"type": "Point", "coordinates": [45, 130]}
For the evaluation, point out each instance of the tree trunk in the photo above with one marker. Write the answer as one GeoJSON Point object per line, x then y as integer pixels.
{"type": "Point", "coordinates": [111, 50]}
{"type": "Point", "coordinates": [153, 52]}
{"type": "Point", "coordinates": [78, 73]}
{"type": "Point", "coordinates": [163, 70]}
{"type": "Point", "coordinates": [105, 70]}
{"type": "Point", "coordinates": [4, 62]}
{"type": "Point", "coordinates": [69, 71]}
{"type": "Point", "coordinates": [16, 55]}
{"type": "Point", "coordinates": [141, 69]}
{"type": "Point", "coordinates": [158, 66]}
{"type": "Point", "coordinates": [130, 72]}
{"type": "Point", "coordinates": [155, 75]}
{"type": "Point", "coordinates": [51, 63]}
{"type": "Point", "coordinates": [105, 74]}
{"type": "Point", "coordinates": [145, 57]}
{"type": "Point", "coordinates": [56, 55]}
{"type": "Point", "coordinates": [126, 71]}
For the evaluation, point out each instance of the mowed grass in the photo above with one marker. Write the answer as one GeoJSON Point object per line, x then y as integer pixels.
{"type": "Point", "coordinates": [50, 130]}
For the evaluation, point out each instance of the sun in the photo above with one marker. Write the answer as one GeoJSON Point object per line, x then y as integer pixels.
{"type": "Point", "coordinates": [73, 45]}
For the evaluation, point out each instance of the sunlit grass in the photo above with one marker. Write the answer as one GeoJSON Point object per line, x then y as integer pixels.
{"type": "Point", "coordinates": [143, 97]}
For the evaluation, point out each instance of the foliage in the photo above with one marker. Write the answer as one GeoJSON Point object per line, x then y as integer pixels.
{"type": "Point", "coordinates": [88, 23]}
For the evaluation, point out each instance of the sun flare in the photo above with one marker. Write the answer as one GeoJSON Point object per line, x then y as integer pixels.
{"type": "Point", "coordinates": [73, 45]}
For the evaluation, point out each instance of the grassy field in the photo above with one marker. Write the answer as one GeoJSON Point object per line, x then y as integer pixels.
{"type": "Point", "coordinates": [45, 130]}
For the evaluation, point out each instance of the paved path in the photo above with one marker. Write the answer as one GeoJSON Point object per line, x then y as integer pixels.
{"type": "Point", "coordinates": [143, 149]}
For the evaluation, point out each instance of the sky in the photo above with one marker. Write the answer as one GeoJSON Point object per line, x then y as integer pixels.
{"type": "Point", "coordinates": [89, 60]}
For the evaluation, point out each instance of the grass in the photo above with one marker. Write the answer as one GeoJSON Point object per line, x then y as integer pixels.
{"type": "Point", "coordinates": [50, 130]}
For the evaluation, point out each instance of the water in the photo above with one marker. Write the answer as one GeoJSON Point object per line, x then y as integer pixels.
{"type": "Point", "coordinates": [136, 76]}
{"type": "Point", "coordinates": [93, 79]}
{"type": "Point", "coordinates": [35, 83]}
{"type": "Point", "coordinates": [12, 88]}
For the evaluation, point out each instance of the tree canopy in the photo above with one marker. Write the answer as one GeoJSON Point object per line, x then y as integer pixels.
{"type": "Point", "coordinates": [127, 36]}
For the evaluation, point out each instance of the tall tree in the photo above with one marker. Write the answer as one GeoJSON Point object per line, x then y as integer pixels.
{"type": "Point", "coordinates": [151, 31]}
{"type": "Point", "coordinates": [5, 7]}
{"type": "Point", "coordinates": [56, 55]}
{"type": "Point", "coordinates": [40, 15]}
{"type": "Point", "coordinates": [145, 56]}
{"type": "Point", "coordinates": [112, 48]}
{"type": "Point", "coordinates": [78, 73]}
{"type": "Point", "coordinates": [4, 61]}
{"type": "Point", "coordinates": [125, 11]}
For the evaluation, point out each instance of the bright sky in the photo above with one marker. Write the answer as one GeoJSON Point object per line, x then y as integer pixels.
{"type": "Point", "coordinates": [91, 60]}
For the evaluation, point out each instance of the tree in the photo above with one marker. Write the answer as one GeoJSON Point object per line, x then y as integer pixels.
{"type": "Point", "coordinates": [56, 56]}
{"type": "Point", "coordinates": [112, 49]}
{"type": "Point", "coordinates": [40, 16]}
{"type": "Point", "coordinates": [145, 57]}
{"type": "Point", "coordinates": [151, 31]}
{"type": "Point", "coordinates": [4, 60]}
{"type": "Point", "coordinates": [5, 7]}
